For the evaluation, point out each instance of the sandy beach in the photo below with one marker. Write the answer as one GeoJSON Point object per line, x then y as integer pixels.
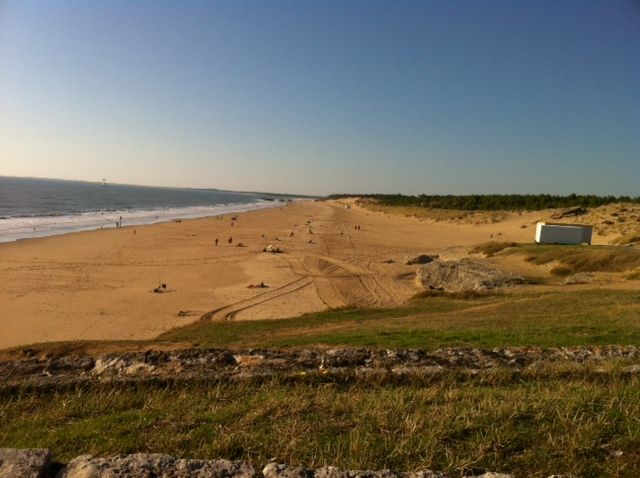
{"type": "Point", "coordinates": [99, 285]}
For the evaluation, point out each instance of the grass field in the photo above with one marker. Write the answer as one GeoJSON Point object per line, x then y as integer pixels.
{"type": "Point", "coordinates": [550, 319]}
{"type": "Point", "coordinates": [556, 420]}
{"type": "Point", "coordinates": [530, 427]}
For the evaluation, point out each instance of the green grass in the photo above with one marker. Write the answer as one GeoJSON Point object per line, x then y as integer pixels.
{"type": "Point", "coordinates": [528, 426]}
{"type": "Point", "coordinates": [551, 319]}
{"type": "Point", "coordinates": [558, 418]}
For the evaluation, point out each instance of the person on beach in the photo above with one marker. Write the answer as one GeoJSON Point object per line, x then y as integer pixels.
{"type": "Point", "coordinates": [216, 242]}
{"type": "Point", "coordinates": [230, 240]}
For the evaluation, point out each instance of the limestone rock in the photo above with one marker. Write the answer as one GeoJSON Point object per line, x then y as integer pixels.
{"type": "Point", "coordinates": [464, 275]}
{"type": "Point", "coordinates": [156, 465]}
{"type": "Point", "coordinates": [276, 470]}
{"type": "Point", "coordinates": [26, 463]}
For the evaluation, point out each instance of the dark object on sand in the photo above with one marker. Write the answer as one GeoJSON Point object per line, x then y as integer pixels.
{"type": "Point", "coordinates": [570, 212]}
{"type": "Point", "coordinates": [421, 259]}
{"type": "Point", "coordinates": [261, 285]}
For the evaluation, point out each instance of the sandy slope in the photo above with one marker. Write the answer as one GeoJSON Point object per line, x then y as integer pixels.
{"type": "Point", "coordinates": [98, 285]}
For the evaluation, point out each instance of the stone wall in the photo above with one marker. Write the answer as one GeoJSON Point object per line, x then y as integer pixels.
{"type": "Point", "coordinates": [44, 369]}
{"type": "Point", "coordinates": [37, 463]}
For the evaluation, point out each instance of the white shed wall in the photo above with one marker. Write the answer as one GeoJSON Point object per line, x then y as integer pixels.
{"type": "Point", "coordinates": [558, 234]}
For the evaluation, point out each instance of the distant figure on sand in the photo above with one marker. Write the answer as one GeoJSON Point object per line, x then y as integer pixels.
{"type": "Point", "coordinates": [216, 241]}
{"type": "Point", "coordinates": [230, 240]}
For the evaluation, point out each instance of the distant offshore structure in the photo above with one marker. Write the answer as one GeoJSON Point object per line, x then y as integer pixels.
{"type": "Point", "coordinates": [104, 182]}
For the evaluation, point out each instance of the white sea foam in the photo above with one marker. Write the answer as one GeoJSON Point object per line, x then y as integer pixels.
{"type": "Point", "coordinates": [12, 229]}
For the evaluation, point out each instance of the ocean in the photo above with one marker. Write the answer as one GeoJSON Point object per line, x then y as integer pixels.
{"type": "Point", "coordinates": [32, 207]}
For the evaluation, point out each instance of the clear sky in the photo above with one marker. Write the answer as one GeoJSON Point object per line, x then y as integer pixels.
{"type": "Point", "coordinates": [325, 96]}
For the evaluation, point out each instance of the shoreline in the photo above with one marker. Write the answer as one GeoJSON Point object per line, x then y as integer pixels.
{"type": "Point", "coordinates": [137, 217]}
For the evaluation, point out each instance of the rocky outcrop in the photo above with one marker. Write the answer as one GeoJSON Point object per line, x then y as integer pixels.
{"type": "Point", "coordinates": [36, 463]}
{"type": "Point", "coordinates": [464, 275]}
{"type": "Point", "coordinates": [156, 465]}
{"type": "Point", "coordinates": [277, 470]}
{"type": "Point", "coordinates": [218, 364]}
{"type": "Point", "coordinates": [27, 463]}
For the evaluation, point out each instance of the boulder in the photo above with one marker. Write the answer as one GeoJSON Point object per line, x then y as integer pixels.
{"type": "Point", "coordinates": [25, 463]}
{"type": "Point", "coordinates": [464, 275]}
{"type": "Point", "coordinates": [156, 465]}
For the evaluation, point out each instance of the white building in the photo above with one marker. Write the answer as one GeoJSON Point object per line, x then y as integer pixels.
{"type": "Point", "coordinates": [558, 233]}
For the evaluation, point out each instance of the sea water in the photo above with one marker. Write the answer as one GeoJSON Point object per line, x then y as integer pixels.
{"type": "Point", "coordinates": [44, 207]}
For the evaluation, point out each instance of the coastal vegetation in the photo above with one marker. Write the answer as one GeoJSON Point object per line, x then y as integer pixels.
{"type": "Point", "coordinates": [544, 319]}
{"type": "Point", "coordinates": [573, 418]}
{"type": "Point", "coordinates": [576, 421]}
{"type": "Point", "coordinates": [574, 259]}
{"type": "Point", "coordinates": [492, 202]}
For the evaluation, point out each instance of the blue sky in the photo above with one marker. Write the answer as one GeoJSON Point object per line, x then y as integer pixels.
{"type": "Point", "coordinates": [321, 97]}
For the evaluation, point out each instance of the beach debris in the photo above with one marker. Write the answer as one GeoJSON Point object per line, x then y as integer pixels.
{"type": "Point", "coordinates": [177, 220]}
{"type": "Point", "coordinates": [272, 249]}
{"type": "Point", "coordinates": [464, 275]}
{"type": "Point", "coordinates": [161, 289]}
{"type": "Point", "coordinates": [261, 285]}
{"type": "Point", "coordinates": [570, 212]}
{"type": "Point", "coordinates": [389, 261]}
{"type": "Point", "coordinates": [240, 244]}
{"type": "Point", "coordinates": [187, 313]}
{"type": "Point", "coordinates": [422, 259]}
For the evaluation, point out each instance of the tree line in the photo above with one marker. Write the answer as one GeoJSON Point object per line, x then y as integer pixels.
{"type": "Point", "coordinates": [492, 202]}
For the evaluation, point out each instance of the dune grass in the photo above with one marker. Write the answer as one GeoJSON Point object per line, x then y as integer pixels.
{"type": "Point", "coordinates": [491, 248]}
{"type": "Point", "coordinates": [573, 259]}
